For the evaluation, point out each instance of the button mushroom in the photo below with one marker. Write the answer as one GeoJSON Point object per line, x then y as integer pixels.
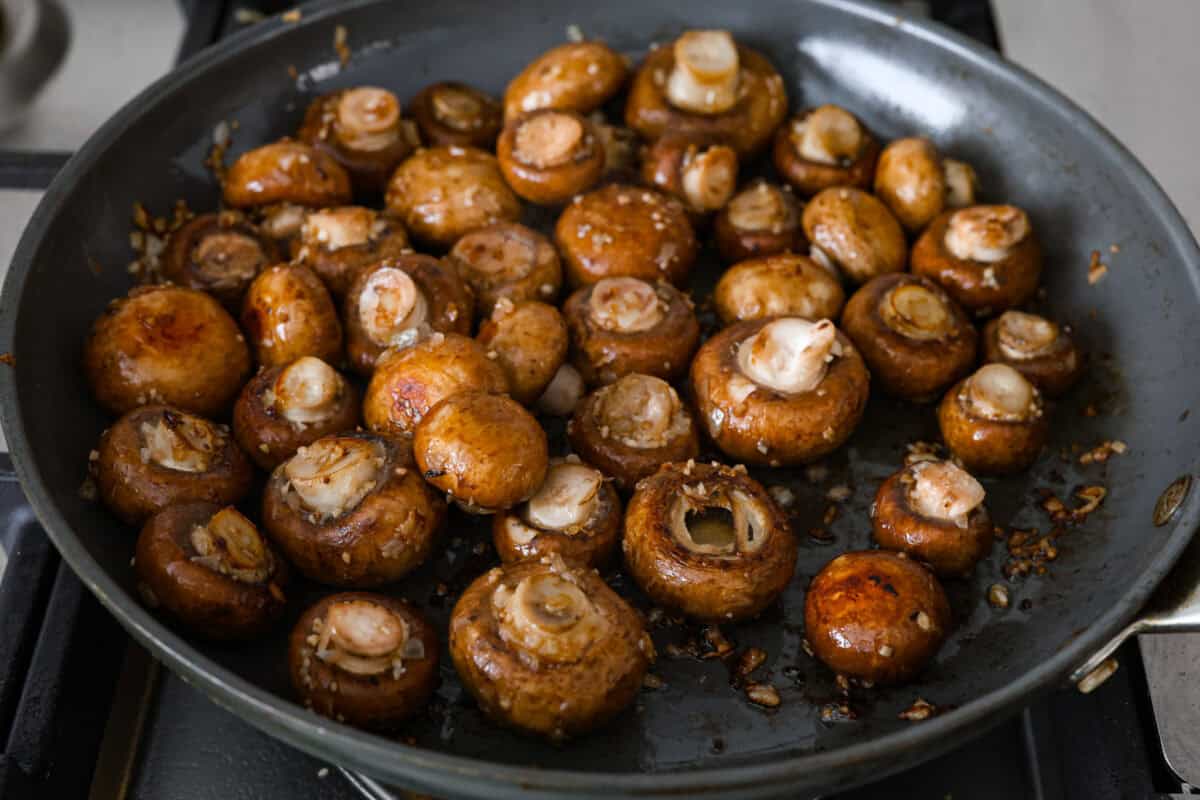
{"type": "Point", "coordinates": [529, 340]}
{"type": "Point", "coordinates": [363, 130]}
{"type": "Point", "coordinates": [507, 260]}
{"type": "Point", "coordinates": [578, 76]}
{"type": "Point", "coordinates": [779, 392]}
{"type": "Point", "coordinates": [550, 155]}
{"type": "Point", "coordinates": [776, 286]}
{"type": "Point", "coordinates": [823, 147]}
{"type": "Point", "coordinates": [451, 113]}
{"type": "Point", "coordinates": [288, 313]}
{"type": "Point", "coordinates": [339, 243]}
{"type": "Point", "coordinates": [917, 183]}
{"type": "Point", "coordinates": [218, 253]}
{"type": "Point", "coordinates": [703, 178]}
{"type": "Point", "coordinates": [1041, 350]}
{"type": "Point", "coordinates": [993, 421]}
{"type": "Point", "coordinates": [855, 232]}
{"type": "Point", "coordinates": [761, 220]}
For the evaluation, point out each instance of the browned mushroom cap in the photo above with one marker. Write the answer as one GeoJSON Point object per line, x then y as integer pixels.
{"type": "Point", "coordinates": [934, 511]}
{"type": "Point", "coordinates": [409, 381]}
{"type": "Point", "coordinates": [548, 156]}
{"type": "Point", "coordinates": [631, 427]}
{"type": "Point", "coordinates": [339, 243]}
{"type": "Point", "coordinates": [530, 343]}
{"type": "Point", "coordinates": [365, 659]}
{"type": "Point", "coordinates": [853, 231]}
{"type": "Point", "coordinates": [702, 177]}
{"type": "Point", "coordinates": [876, 616]}
{"type": "Point", "coordinates": [575, 514]}
{"type": "Point", "coordinates": [285, 172]}
{"type": "Point", "coordinates": [211, 569]}
{"type": "Point", "coordinates": [349, 510]}
{"type": "Point", "coordinates": [219, 253]}
{"type": "Point", "coordinates": [507, 260]}
{"type": "Point", "coordinates": [707, 87]}
{"type": "Point", "coordinates": [986, 257]}
{"type": "Point", "coordinates": [395, 302]}
{"type": "Point", "coordinates": [283, 408]}
{"type": "Point", "coordinates": [761, 220]}
{"type": "Point", "coordinates": [915, 339]}
{"type": "Point", "coordinates": [779, 285]}
{"type": "Point", "coordinates": [545, 646]}
{"type": "Point", "coordinates": [579, 76]}
{"type": "Point", "coordinates": [1041, 350]}
{"type": "Point", "coordinates": [166, 344]}
{"type": "Point", "coordinates": [442, 193]}
{"type": "Point", "coordinates": [453, 113]}
{"type": "Point", "coordinates": [917, 183]}
{"type": "Point", "coordinates": [362, 129]}
{"type": "Point", "coordinates": [709, 541]}
{"type": "Point", "coordinates": [779, 391]}
{"type": "Point", "coordinates": [623, 231]}
{"type": "Point", "coordinates": [484, 450]}
{"type": "Point", "coordinates": [993, 421]}
{"type": "Point", "coordinates": [823, 147]}
{"type": "Point", "coordinates": [625, 325]}
{"type": "Point", "coordinates": [288, 313]}
{"type": "Point", "coordinates": [156, 456]}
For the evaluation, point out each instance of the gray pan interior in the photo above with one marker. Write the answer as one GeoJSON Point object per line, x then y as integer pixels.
{"type": "Point", "coordinates": [695, 735]}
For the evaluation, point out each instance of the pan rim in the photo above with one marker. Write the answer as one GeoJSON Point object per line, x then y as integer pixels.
{"type": "Point", "coordinates": [391, 760]}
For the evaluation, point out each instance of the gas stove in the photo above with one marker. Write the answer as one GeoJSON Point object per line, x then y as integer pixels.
{"type": "Point", "coordinates": [86, 712]}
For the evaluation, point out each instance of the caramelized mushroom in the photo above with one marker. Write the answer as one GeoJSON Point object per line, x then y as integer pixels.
{"type": "Point", "coordinates": [507, 260]}
{"type": "Point", "coordinates": [362, 129]}
{"type": "Point", "coordinates": [285, 172]}
{"type": "Point", "coordinates": [631, 427]}
{"type": "Point", "coordinates": [283, 408]}
{"type": "Point", "coordinates": [782, 391]}
{"type": "Point", "coordinates": [823, 147]}
{"type": "Point", "coordinates": [529, 340]}
{"type": "Point", "coordinates": [349, 510]}
{"type": "Point", "coordinates": [563, 394]}
{"type": "Point", "coordinates": [579, 76]}
{"type": "Point", "coordinates": [622, 231]}
{"type": "Point", "coordinates": [166, 344]}
{"type": "Point", "coordinates": [156, 456]}
{"type": "Point", "coordinates": [549, 155]}
{"type": "Point", "coordinates": [776, 286]}
{"type": "Point", "coordinates": [209, 568]}
{"type": "Point", "coordinates": [339, 243]}
{"type": "Point", "coordinates": [288, 314]}
{"type": "Point", "coordinates": [703, 178]}
{"type": "Point", "coordinates": [450, 113]}
{"type": "Point", "coordinates": [624, 325]}
{"type": "Point", "coordinates": [365, 659]}
{"type": "Point", "coordinates": [218, 253]}
{"type": "Point", "coordinates": [985, 257]}
{"type": "Point", "coordinates": [442, 193]}
{"type": "Point", "coordinates": [876, 616]}
{"type": "Point", "coordinates": [546, 647]}
{"type": "Point", "coordinates": [854, 232]}
{"type": "Point", "coordinates": [760, 220]}
{"type": "Point", "coordinates": [934, 511]}
{"type": "Point", "coordinates": [1041, 350]}
{"type": "Point", "coordinates": [994, 421]}
{"type": "Point", "coordinates": [917, 184]}
{"type": "Point", "coordinates": [915, 339]}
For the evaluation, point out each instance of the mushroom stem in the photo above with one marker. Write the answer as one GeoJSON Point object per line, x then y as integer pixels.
{"type": "Point", "coordinates": [226, 259]}
{"type": "Point", "coordinates": [457, 108]}
{"type": "Point", "coordinates": [917, 312]}
{"type": "Point", "coordinates": [961, 182]}
{"type": "Point", "coordinates": [548, 139]}
{"type": "Point", "coordinates": [942, 490]}
{"type": "Point", "coordinates": [232, 546]}
{"type": "Point", "coordinates": [368, 118]}
{"type": "Point", "coordinates": [1000, 393]}
{"type": "Point", "coordinates": [640, 410]}
{"type": "Point", "coordinates": [361, 637]}
{"type": "Point", "coordinates": [758, 209]}
{"type": "Point", "coordinates": [789, 355]}
{"type": "Point", "coordinates": [563, 393]}
{"type": "Point", "coordinates": [391, 308]}
{"type": "Point", "coordinates": [828, 135]}
{"type": "Point", "coordinates": [625, 305]}
{"type": "Point", "coordinates": [334, 228]}
{"type": "Point", "coordinates": [179, 441]}
{"type": "Point", "coordinates": [307, 391]}
{"type": "Point", "coordinates": [566, 499]}
{"type": "Point", "coordinates": [333, 475]}
{"type": "Point", "coordinates": [710, 178]}
{"type": "Point", "coordinates": [549, 616]}
{"type": "Point", "coordinates": [1022, 336]}
{"type": "Point", "coordinates": [704, 79]}
{"type": "Point", "coordinates": [986, 234]}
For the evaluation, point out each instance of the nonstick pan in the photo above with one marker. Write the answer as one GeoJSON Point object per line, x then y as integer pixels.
{"type": "Point", "coordinates": [696, 735]}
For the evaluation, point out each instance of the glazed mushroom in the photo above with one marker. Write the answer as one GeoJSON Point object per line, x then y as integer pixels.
{"type": "Point", "coordinates": [703, 178]}
{"type": "Point", "coordinates": [876, 616]}
{"type": "Point", "coordinates": [706, 86]}
{"type": "Point", "coordinates": [395, 302]}
{"type": "Point", "coordinates": [623, 231]}
{"type": "Point", "coordinates": [548, 156]}
{"type": "Point", "coordinates": [209, 568]}
{"type": "Point", "coordinates": [993, 421]}
{"type": "Point", "coordinates": [579, 76]}
{"type": "Point", "coordinates": [986, 257]}
{"type": "Point", "coordinates": [361, 128]}
{"type": "Point", "coordinates": [563, 394]}
{"type": "Point", "coordinates": [777, 286]}
{"type": "Point", "coordinates": [761, 220]}
{"type": "Point", "coordinates": [529, 340]}
{"type": "Point", "coordinates": [451, 113]}
{"type": "Point", "coordinates": [624, 325]}
{"type": "Point", "coordinates": [575, 514]}
{"type": "Point", "coordinates": [283, 408]}
{"type": "Point", "coordinates": [218, 253]}
{"type": "Point", "coordinates": [934, 511]}
{"type": "Point", "coordinates": [156, 456]}
{"type": "Point", "coordinates": [288, 313]}
{"type": "Point", "coordinates": [630, 428]}
{"type": "Point", "coordinates": [917, 183]}
{"type": "Point", "coordinates": [708, 541]}
{"type": "Point", "coordinates": [339, 243]}
{"type": "Point", "coordinates": [350, 510]}
{"type": "Point", "coordinates": [546, 647]}
{"type": "Point", "coordinates": [915, 339]}
{"type": "Point", "coordinates": [166, 344]}
{"type": "Point", "coordinates": [483, 450]}
{"type": "Point", "coordinates": [853, 231]}
{"type": "Point", "coordinates": [507, 260]}
{"type": "Point", "coordinates": [442, 193]}
{"type": "Point", "coordinates": [823, 147]}
{"type": "Point", "coordinates": [409, 381]}
{"type": "Point", "coordinates": [1041, 350]}
{"type": "Point", "coordinates": [779, 391]}
{"type": "Point", "coordinates": [364, 659]}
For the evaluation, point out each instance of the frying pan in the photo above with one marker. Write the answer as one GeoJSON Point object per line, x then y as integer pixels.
{"type": "Point", "coordinates": [696, 734]}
